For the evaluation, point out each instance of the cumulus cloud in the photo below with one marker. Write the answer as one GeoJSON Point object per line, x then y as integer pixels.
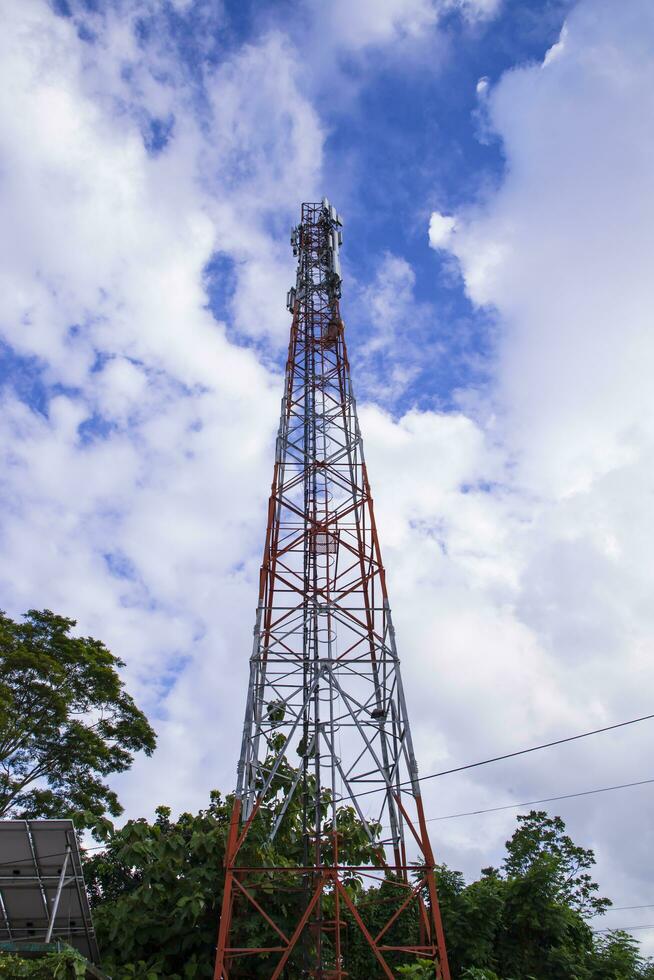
{"type": "Point", "coordinates": [123, 484]}
{"type": "Point", "coordinates": [263, 155]}
{"type": "Point", "coordinates": [399, 339]}
{"type": "Point", "coordinates": [475, 10]}
{"type": "Point", "coordinates": [345, 39]}
{"type": "Point", "coordinates": [380, 23]}
{"type": "Point", "coordinates": [386, 360]}
{"type": "Point", "coordinates": [561, 253]}
{"type": "Point", "coordinates": [563, 248]}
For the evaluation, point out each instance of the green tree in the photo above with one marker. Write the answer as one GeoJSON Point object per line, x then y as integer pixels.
{"type": "Point", "coordinates": [541, 935]}
{"type": "Point", "coordinates": [66, 721]}
{"type": "Point", "coordinates": [528, 920]}
{"type": "Point", "coordinates": [420, 970]}
{"type": "Point", "coordinates": [473, 919]}
{"type": "Point", "coordinates": [540, 840]}
{"type": "Point", "coordinates": [155, 893]}
{"type": "Point", "coordinates": [617, 957]}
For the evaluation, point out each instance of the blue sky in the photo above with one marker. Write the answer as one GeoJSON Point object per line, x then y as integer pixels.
{"type": "Point", "coordinates": [494, 164]}
{"type": "Point", "coordinates": [401, 139]}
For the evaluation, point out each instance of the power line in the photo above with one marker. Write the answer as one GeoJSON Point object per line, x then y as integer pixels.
{"type": "Point", "coordinates": [499, 758]}
{"type": "Point", "coordinates": [512, 755]}
{"type": "Point", "coordinates": [624, 928]}
{"type": "Point", "coordinates": [547, 799]}
{"type": "Point", "coordinates": [536, 748]}
{"type": "Point", "coordinates": [625, 908]}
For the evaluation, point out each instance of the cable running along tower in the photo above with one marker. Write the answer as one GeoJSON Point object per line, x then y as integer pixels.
{"type": "Point", "coordinates": [327, 816]}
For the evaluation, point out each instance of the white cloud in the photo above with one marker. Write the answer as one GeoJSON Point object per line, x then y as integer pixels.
{"type": "Point", "coordinates": [345, 39]}
{"type": "Point", "coordinates": [375, 22]}
{"type": "Point", "coordinates": [561, 252]}
{"type": "Point", "coordinates": [150, 469]}
{"type": "Point", "coordinates": [401, 333]}
{"type": "Point", "coordinates": [557, 49]}
{"type": "Point", "coordinates": [389, 299]}
{"type": "Point", "coordinates": [371, 22]}
{"type": "Point", "coordinates": [441, 229]}
{"type": "Point", "coordinates": [266, 134]}
{"type": "Point", "coordinates": [563, 248]}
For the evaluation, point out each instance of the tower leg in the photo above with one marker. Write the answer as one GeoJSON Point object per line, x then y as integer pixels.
{"type": "Point", "coordinates": [228, 895]}
{"type": "Point", "coordinates": [433, 897]}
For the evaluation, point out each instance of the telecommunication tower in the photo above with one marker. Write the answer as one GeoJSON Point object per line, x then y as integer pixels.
{"type": "Point", "coordinates": [326, 754]}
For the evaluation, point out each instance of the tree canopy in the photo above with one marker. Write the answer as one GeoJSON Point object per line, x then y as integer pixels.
{"type": "Point", "coordinates": [528, 921]}
{"type": "Point", "coordinates": [541, 842]}
{"type": "Point", "coordinates": [66, 721]}
{"type": "Point", "coordinates": [157, 887]}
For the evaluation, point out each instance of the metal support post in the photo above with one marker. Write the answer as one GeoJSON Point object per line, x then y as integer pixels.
{"type": "Point", "coordinates": [55, 904]}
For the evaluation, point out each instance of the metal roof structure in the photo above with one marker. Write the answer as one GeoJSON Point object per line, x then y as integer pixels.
{"type": "Point", "coordinates": [42, 893]}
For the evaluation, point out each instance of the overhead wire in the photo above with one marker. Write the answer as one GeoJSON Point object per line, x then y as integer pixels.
{"type": "Point", "coordinates": [518, 752]}
{"type": "Point", "coordinates": [546, 799]}
{"type": "Point", "coordinates": [626, 908]}
{"type": "Point", "coordinates": [613, 908]}
{"type": "Point", "coordinates": [625, 928]}
{"type": "Point", "coordinates": [536, 748]}
{"type": "Point", "coordinates": [485, 762]}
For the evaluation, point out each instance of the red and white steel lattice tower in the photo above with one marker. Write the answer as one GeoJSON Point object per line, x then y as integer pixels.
{"type": "Point", "coordinates": [326, 716]}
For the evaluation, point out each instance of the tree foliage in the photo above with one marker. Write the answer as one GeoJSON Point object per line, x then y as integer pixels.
{"type": "Point", "coordinates": [617, 958]}
{"type": "Point", "coordinates": [156, 889]}
{"type": "Point", "coordinates": [528, 921]}
{"type": "Point", "coordinates": [540, 842]}
{"type": "Point", "coordinates": [64, 964]}
{"type": "Point", "coordinates": [66, 721]}
{"type": "Point", "coordinates": [156, 894]}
